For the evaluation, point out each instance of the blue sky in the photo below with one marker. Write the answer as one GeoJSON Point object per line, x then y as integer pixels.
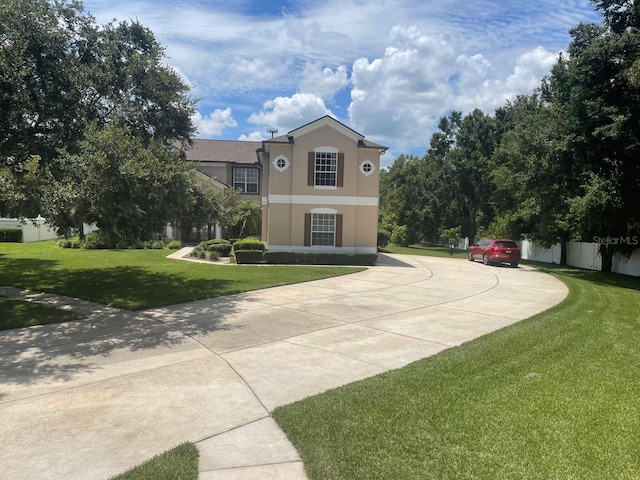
{"type": "Point", "coordinates": [387, 68]}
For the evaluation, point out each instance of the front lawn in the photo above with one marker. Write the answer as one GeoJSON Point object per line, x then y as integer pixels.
{"type": "Point", "coordinates": [138, 279]}
{"type": "Point", "coordinates": [179, 463]}
{"type": "Point", "coordinates": [419, 249]}
{"type": "Point", "coordinates": [556, 396]}
{"type": "Point", "coordinates": [16, 313]}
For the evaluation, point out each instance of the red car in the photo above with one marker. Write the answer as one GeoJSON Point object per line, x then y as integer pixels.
{"type": "Point", "coordinates": [494, 251]}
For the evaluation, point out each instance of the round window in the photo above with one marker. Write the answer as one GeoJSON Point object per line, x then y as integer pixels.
{"type": "Point", "coordinates": [281, 163]}
{"type": "Point", "coordinates": [367, 167]}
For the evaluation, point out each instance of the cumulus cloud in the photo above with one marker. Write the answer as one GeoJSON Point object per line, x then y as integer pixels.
{"type": "Point", "coordinates": [323, 82]}
{"type": "Point", "coordinates": [253, 137]}
{"type": "Point", "coordinates": [287, 113]}
{"type": "Point", "coordinates": [214, 123]}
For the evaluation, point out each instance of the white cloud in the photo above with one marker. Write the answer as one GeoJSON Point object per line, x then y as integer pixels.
{"type": "Point", "coordinates": [323, 82]}
{"type": "Point", "coordinates": [253, 136]}
{"type": "Point", "coordinates": [214, 123]}
{"type": "Point", "coordinates": [530, 67]}
{"type": "Point", "coordinates": [287, 113]}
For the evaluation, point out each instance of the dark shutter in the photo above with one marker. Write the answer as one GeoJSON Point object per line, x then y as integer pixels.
{"type": "Point", "coordinates": [311, 173]}
{"type": "Point", "coordinates": [338, 230]}
{"type": "Point", "coordinates": [307, 229]}
{"type": "Point", "coordinates": [340, 169]}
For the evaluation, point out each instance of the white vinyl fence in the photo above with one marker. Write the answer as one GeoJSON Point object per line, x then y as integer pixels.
{"type": "Point", "coordinates": [581, 255]}
{"type": "Point", "coordinates": [33, 230]}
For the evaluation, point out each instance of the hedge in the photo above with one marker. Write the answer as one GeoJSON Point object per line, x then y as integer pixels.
{"type": "Point", "coordinates": [248, 256]}
{"type": "Point", "coordinates": [218, 241]}
{"type": "Point", "coordinates": [222, 249]}
{"type": "Point", "coordinates": [249, 244]}
{"type": "Point", "coordinates": [316, 258]}
{"type": "Point", "coordinates": [10, 234]}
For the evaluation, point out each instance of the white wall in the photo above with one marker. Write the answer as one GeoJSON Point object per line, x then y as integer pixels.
{"type": "Point", "coordinates": [581, 255]}
{"type": "Point", "coordinates": [33, 230]}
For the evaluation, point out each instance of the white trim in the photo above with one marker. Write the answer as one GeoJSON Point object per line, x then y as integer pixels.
{"type": "Point", "coordinates": [325, 187]}
{"type": "Point", "coordinates": [265, 200]}
{"type": "Point", "coordinates": [367, 162]}
{"type": "Point", "coordinates": [326, 149]}
{"type": "Point", "coordinates": [330, 211]}
{"type": "Point", "coordinates": [327, 121]}
{"type": "Point", "coordinates": [286, 163]}
{"type": "Point", "coordinates": [317, 248]}
{"type": "Point", "coordinates": [349, 201]}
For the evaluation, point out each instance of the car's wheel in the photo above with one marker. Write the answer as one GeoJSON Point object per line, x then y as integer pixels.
{"type": "Point", "coordinates": [470, 255]}
{"type": "Point", "coordinates": [485, 259]}
{"type": "Point", "coordinates": [514, 264]}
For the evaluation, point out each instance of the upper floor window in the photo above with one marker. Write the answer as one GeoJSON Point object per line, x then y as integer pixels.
{"type": "Point", "coordinates": [246, 179]}
{"type": "Point", "coordinates": [326, 168]}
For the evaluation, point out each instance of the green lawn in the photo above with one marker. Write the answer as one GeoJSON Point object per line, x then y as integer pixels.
{"type": "Point", "coordinates": [15, 313]}
{"type": "Point", "coordinates": [556, 396]}
{"type": "Point", "coordinates": [139, 279]}
{"type": "Point", "coordinates": [418, 249]}
{"type": "Point", "coordinates": [179, 463]}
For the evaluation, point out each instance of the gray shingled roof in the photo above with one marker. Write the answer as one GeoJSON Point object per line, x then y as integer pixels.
{"type": "Point", "coordinates": [235, 151]}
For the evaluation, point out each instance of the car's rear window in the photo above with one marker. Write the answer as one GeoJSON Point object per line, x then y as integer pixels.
{"type": "Point", "coordinates": [507, 244]}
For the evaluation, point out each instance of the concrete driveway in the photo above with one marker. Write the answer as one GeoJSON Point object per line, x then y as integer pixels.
{"type": "Point", "coordinates": [91, 399]}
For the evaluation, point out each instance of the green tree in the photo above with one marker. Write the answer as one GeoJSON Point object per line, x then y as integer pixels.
{"type": "Point", "coordinates": [248, 217]}
{"type": "Point", "coordinates": [60, 75]}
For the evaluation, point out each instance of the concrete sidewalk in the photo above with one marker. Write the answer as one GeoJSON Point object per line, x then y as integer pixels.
{"type": "Point", "coordinates": [92, 398]}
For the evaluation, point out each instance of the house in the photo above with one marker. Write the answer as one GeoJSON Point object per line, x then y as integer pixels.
{"type": "Point", "coordinates": [318, 185]}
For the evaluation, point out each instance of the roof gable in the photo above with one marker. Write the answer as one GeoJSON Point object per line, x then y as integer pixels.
{"type": "Point", "coordinates": [326, 121]}
{"type": "Point", "coordinates": [227, 151]}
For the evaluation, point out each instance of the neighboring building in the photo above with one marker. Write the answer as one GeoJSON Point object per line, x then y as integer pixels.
{"type": "Point", "coordinates": [318, 185]}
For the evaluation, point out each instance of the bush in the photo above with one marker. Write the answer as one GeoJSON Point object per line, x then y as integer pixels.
{"type": "Point", "coordinates": [218, 241]}
{"type": "Point", "coordinates": [222, 249]}
{"type": "Point", "coordinates": [94, 241]}
{"type": "Point", "coordinates": [311, 258]}
{"type": "Point", "coordinates": [249, 244]}
{"type": "Point", "coordinates": [174, 245]}
{"type": "Point", "coordinates": [11, 234]}
{"type": "Point", "coordinates": [383, 238]}
{"type": "Point", "coordinates": [213, 256]}
{"type": "Point", "coordinates": [64, 243]}
{"type": "Point", "coordinates": [248, 256]}
{"type": "Point", "coordinates": [400, 235]}
{"type": "Point", "coordinates": [202, 254]}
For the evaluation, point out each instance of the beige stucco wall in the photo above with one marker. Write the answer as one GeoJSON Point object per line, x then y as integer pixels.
{"type": "Point", "coordinates": [287, 197]}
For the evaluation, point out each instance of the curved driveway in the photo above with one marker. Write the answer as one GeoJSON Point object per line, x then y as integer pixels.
{"type": "Point", "coordinates": [90, 399]}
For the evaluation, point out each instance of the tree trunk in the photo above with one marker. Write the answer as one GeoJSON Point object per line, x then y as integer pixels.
{"type": "Point", "coordinates": [606, 253]}
{"type": "Point", "coordinates": [563, 252]}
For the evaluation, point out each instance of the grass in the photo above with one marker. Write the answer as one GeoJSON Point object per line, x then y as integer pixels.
{"type": "Point", "coordinates": [138, 279]}
{"type": "Point", "coordinates": [179, 463]}
{"type": "Point", "coordinates": [555, 396]}
{"type": "Point", "coordinates": [16, 313]}
{"type": "Point", "coordinates": [419, 249]}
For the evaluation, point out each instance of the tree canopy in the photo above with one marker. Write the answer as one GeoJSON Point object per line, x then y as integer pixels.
{"type": "Point", "coordinates": [70, 89]}
{"type": "Point", "coordinates": [559, 164]}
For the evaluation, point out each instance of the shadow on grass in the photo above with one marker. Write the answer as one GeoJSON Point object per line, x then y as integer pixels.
{"type": "Point", "coordinates": [605, 279]}
{"type": "Point", "coordinates": [55, 354]}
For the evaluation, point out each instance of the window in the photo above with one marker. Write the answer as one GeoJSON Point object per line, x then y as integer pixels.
{"type": "Point", "coordinates": [367, 168]}
{"type": "Point", "coordinates": [246, 179]}
{"type": "Point", "coordinates": [323, 229]}
{"type": "Point", "coordinates": [326, 169]}
{"type": "Point", "coordinates": [281, 163]}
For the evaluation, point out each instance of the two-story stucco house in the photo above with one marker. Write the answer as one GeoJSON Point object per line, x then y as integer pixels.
{"type": "Point", "coordinates": [318, 185]}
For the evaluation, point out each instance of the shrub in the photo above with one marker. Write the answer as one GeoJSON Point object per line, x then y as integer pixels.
{"type": "Point", "coordinates": [248, 256]}
{"type": "Point", "coordinates": [400, 235]}
{"type": "Point", "coordinates": [222, 249]}
{"type": "Point", "coordinates": [10, 234]}
{"type": "Point", "coordinates": [383, 238]}
{"type": "Point", "coordinates": [249, 244]}
{"type": "Point", "coordinates": [174, 245]}
{"type": "Point", "coordinates": [213, 256]}
{"type": "Point", "coordinates": [218, 241]}
{"type": "Point", "coordinates": [202, 254]}
{"type": "Point", "coordinates": [94, 241]}
{"type": "Point", "coordinates": [310, 258]}
{"type": "Point", "coordinates": [64, 243]}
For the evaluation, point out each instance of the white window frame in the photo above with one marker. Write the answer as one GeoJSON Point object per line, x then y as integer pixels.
{"type": "Point", "coordinates": [325, 153]}
{"type": "Point", "coordinates": [367, 164]}
{"type": "Point", "coordinates": [243, 182]}
{"type": "Point", "coordinates": [281, 163]}
{"type": "Point", "coordinates": [323, 224]}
